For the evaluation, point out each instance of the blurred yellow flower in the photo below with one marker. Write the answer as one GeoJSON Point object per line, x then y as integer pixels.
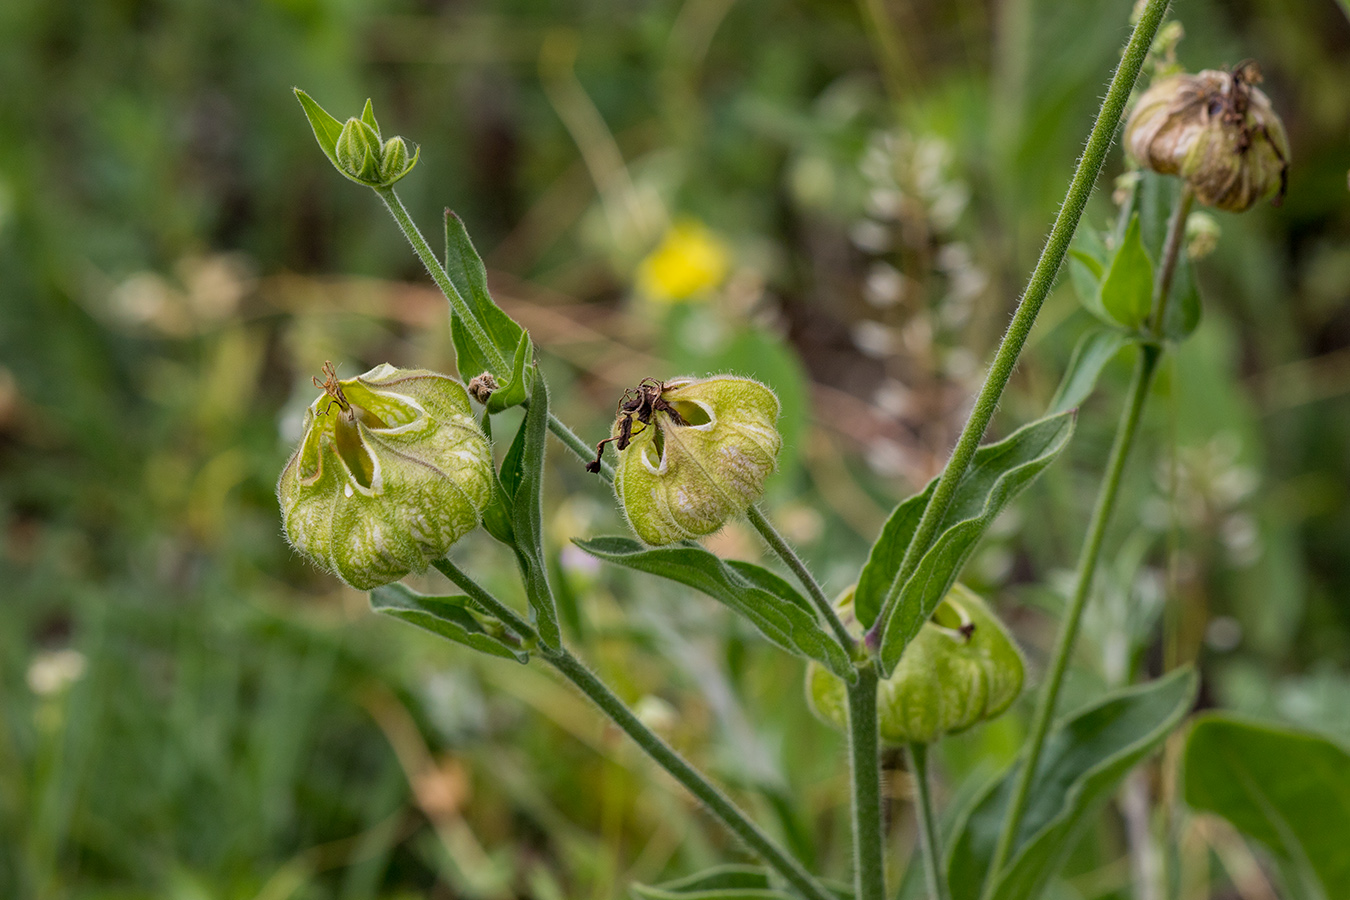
{"type": "Point", "coordinates": [689, 261]}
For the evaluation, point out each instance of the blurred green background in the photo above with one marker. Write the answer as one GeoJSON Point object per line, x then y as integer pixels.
{"type": "Point", "coordinates": [189, 711]}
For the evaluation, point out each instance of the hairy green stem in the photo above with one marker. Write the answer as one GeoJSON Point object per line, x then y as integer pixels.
{"type": "Point", "coordinates": [794, 562]}
{"type": "Point", "coordinates": [712, 797]}
{"type": "Point", "coordinates": [1042, 279]}
{"type": "Point", "coordinates": [574, 443]}
{"type": "Point", "coordinates": [928, 833]}
{"type": "Point", "coordinates": [869, 871]}
{"type": "Point", "coordinates": [438, 275]}
{"type": "Point", "coordinates": [1149, 354]}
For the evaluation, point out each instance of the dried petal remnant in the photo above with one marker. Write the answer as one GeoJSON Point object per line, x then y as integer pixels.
{"type": "Point", "coordinates": [1216, 130]}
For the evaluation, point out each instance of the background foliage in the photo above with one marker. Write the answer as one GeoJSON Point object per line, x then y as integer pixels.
{"type": "Point", "coordinates": [189, 711]}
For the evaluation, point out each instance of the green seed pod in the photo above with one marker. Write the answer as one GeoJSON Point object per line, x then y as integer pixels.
{"type": "Point", "coordinates": [1216, 130]}
{"type": "Point", "coordinates": [391, 471]}
{"type": "Point", "coordinates": [693, 453]}
{"type": "Point", "coordinates": [961, 668]}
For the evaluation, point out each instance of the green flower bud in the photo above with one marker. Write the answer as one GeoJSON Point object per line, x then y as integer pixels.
{"type": "Point", "coordinates": [1216, 130]}
{"type": "Point", "coordinates": [358, 152]}
{"type": "Point", "coordinates": [961, 668]}
{"type": "Point", "coordinates": [363, 158]}
{"type": "Point", "coordinates": [391, 471]}
{"type": "Point", "coordinates": [693, 453]}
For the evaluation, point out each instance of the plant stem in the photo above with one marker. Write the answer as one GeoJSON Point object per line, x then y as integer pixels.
{"type": "Point", "coordinates": [1042, 279]}
{"type": "Point", "coordinates": [1162, 282]}
{"type": "Point", "coordinates": [794, 562]}
{"type": "Point", "coordinates": [712, 797]}
{"type": "Point", "coordinates": [438, 275]}
{"type": "Point", "coordinates": [574, 443]}
{"type": "Point", "coordinates": [928, 833]}
{"type": "Point", "coordinates": [869, 872]}
{"type": "Point", "coordinates": [1149, 354]}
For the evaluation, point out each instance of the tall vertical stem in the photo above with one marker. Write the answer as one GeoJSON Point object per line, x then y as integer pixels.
{"type": "Point", "coordinates": [869, 872]}
{"type": "Point", "coordinates": [928, 833]}
{"type": "Point", "coordinates": [1149, 354]}
{"type": "Point", "coordinates": [1042, 279]}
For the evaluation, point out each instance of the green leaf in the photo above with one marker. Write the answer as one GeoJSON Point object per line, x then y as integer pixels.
{"type": "Point", "coordinates": [781, 614]}
{"type": "Point", "coordinates": [1154, 199]}
{"type": "Point", "coordinates": [1127, 289]}
{"type": "Point", "coordinates": [469, 277]}
{"type": "Point", "coordinates": [1086, 756]}
{"type": "Point", "coordinates": [368, 116]}
{"type": "Point", "coordinates": [1095, 349]}
{"type": "Point", "coordinates": [1184, 307]}
{"type": "Point", "coordinates": [1086, 274]}
{"type": "Point", "coordinates": [498, 513]}
{"type": "Point", "coordinates": [515, 390]}
{"type": "Point", "coordinates": [1288, 789]}
{"type": "Point", "coordinates": [449, 617]}
{"type": "Point", "coordinates": [326, 128]}
{"type": "Point", "coordinates": [528, 516]}
{"type": "Point", "coordinates": [998, 473]}
{"type": "Point", "coordinates": [883, 562]}
{"type": "Point", "coordinates": [731, 882]}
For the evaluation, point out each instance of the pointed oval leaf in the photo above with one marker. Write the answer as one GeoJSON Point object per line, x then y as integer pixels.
{"type": "Point", "coordinates": [450, 617]}
{"type": "Point", "coordinates": [1127, 289]}
{"type": "Point", "coordinates": [998, 473]}
{"type": "Point", "coordinates": [779, 612]}
{"type": "Point", "coordinates": [528, 515]}
{"type": "Point", "coordinates": [468, 275]}
{"type": "Point", "coordinates": [1288, 789]}
{"type": "Point", "coordinates": [1085, 758]}
{"type": "Point", "coordinates": [1094, 350]}
{"type": "Point", "coordinates": [327, 129]}
{"type": "Point", "coordinates": [883, 562]}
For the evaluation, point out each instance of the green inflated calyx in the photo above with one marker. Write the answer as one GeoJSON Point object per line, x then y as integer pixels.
{"type": "Point", "coordinates": [962, 668]}
{"type": "Point", "coordinates": [391, 471]}
{"type": "Point", "coordinates": [693, 453]}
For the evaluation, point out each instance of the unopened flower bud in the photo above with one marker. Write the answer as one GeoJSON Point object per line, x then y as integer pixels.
{"type": "Point", "coordinates": [358, 151]}
{"type": "Point", "coordinates": [961, 668]}
{"type": "Point", "coordinates": [1216, 130]}
{"type": "Point", "coordinates": [391, 471]}
{"type": "Point", "coordinates": [362, 157]}
{"type": "Point", "coordinates": [693, 453]}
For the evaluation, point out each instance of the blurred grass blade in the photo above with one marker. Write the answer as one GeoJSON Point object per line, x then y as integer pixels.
{"type": "Point", "coordinates": [781, 614]}
{"type": "Point", "coordinates": [1288, 789]}
{"type": "Point", "coordinates": [728, 882]}
{"type": "Point", "coordinates": [1086, 757]}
